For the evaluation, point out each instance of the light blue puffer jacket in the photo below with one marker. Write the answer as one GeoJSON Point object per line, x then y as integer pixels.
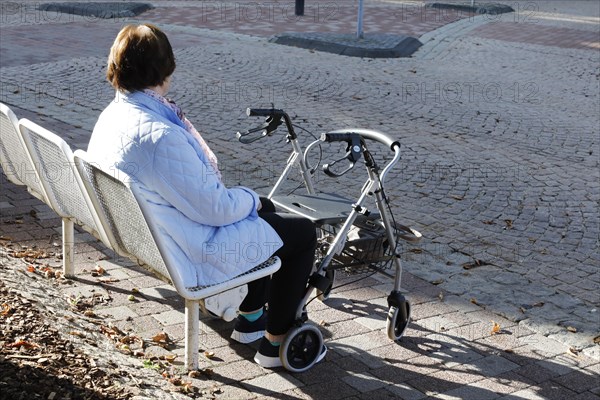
{"type": "Point", "coordinates": [212, 231]}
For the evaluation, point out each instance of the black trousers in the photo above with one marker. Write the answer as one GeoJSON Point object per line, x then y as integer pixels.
{"type": "Point", "coordinates": [286, 287]}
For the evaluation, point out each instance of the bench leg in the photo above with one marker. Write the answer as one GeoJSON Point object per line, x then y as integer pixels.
{"type": "Point", "coordinates": [68, 236]}
{"type": "Point", "coordinates": [192, 332]}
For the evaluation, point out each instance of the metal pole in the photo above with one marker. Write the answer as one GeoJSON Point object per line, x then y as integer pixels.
{"type": "Point", "coordinates": [299, 7]}
{"type": "Point", "coordinates": [359, 29]}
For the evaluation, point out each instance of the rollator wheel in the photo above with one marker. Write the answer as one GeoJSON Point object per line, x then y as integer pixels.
{"type": "Point", "coordinates": [329, 274]}
{"type": "Point", "coordinates": [398, 320]}
{"type": "Point", "coordinates": [301, 348]}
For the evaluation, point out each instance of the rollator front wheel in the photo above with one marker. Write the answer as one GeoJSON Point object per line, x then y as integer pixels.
{"type": "Point", "coordinates": [301, 348]}
{"type": "Point", "coordinates": [397, 320]}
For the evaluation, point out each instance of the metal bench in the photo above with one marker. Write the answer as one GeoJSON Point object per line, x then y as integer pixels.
{"type": "Point", "coordinates": [108, 208]}
{"type": "Point", "coordinates": [132, 233]}
{"type": "Point", "coordinates": [54, 165]}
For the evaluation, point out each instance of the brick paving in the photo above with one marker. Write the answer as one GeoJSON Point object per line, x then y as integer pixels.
{"type": "Point", "coordinates": [500, 138]}
{"type": "Point", "coordinates": [544, 35]}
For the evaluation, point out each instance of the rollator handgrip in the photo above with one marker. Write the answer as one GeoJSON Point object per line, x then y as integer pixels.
{"type": "Point", "coordinates": [264, 112]}
{"type": "Point", "coordinates": [337, 137]}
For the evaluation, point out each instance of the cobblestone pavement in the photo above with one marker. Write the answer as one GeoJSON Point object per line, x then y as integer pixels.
{"type": "Point", "coordinates": [498, 120]}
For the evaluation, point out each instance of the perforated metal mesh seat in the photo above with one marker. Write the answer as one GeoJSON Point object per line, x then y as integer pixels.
{"type": "Point", "coordinates": [126, 226]}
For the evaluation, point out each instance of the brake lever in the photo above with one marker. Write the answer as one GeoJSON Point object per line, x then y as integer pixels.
{"type": "Point", "coordinates": [241, 135]}
{"type": "Point", "coordinates": [353, 155]}
{"type": "Point", "coordinates": [329, 172]}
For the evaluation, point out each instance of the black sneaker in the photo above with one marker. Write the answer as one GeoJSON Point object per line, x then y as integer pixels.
{"type": "Point", "coordinates": [248, 332]}
{"type": "Point", "coordinates": [267, 355]}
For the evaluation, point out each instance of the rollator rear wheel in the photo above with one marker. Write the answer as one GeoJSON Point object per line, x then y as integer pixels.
{"type": "Point", "coordinates": [301, 348]}
{"type": "Point", "coordinates": [397, 320]}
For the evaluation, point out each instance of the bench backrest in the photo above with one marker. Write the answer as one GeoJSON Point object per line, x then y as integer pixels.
{"type": "Point", "coordinates": [121, 216]}
{"type": "Point", "coordinates": [132, 232]}
{"type": "Point", "coordinates": [16, 163]}
{"type": "Point", "coordinates": [55, 165]}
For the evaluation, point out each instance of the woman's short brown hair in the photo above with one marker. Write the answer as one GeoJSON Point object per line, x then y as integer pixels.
{"type": "Point", "coordinates": [140, 57]}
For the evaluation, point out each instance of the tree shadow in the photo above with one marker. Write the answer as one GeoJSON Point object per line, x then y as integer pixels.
{"type": "Point", "coordinates": [18, 380]}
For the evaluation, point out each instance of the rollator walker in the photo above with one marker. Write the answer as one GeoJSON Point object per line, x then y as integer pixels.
{"type": "Point", "coordinates": [351, 237]}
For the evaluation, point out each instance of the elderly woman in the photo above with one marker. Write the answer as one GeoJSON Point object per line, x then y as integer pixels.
{"type": "Point", "coordinates": [207, 225]}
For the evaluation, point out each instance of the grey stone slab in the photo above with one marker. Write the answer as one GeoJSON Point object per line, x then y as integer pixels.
{"type": "Point", "coordinates": [98, 9]}
{"type": "Point", "coordinates": [370, 46]}
{"type": "Point", "coordinates": [493, 366]}
{"type": "Point", "coordinates": [363, 382]}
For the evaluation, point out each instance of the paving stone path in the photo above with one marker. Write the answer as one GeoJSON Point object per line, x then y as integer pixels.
{"type": "Point", "coordinates": [499, 127]}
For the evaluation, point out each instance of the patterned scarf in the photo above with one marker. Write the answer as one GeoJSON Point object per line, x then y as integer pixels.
{"type": "Point", "coordinates": [212, 158]}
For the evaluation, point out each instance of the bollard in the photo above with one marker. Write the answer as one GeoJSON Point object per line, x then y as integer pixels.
{"type": "Point", "coordinates": [299, 7]}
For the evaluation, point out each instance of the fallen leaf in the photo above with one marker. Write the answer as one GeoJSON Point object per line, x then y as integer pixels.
{"type": "Point", "coordinates": [22, 343]}
{"type": "Point", "coordinates": [99, 270]}
{"type": "Point", "coordinates": [323, 323]}
{"type": "Point", "coordinates": [572, 329]}
{"type": "Point", "coordinates": [31, 268]}
{"type": "Point", "coordinates": [509, 223]}
{"type": "Point", "coordinates": [175, 381]}
{"type": "Point", "coordinates": [160, 337]}
{"type": "Point", "coordinates": [194, 374]}
{"type": "Point", "coordinates": [474, 300]}
{"type": "Point", "coordinates": [597, 340]}
{"type": "Point", "coordinates": [187, 387]}
{"type": "Point", "coordinates": [573, 350]}
{"type": "Point", "coordinates": [495, 328]}
{"type": "Point", "coordinates": [488, 222]}
{"type": "Point", "coordinates": [455, 197]}
{"type": "Point", "coordinates": [77, 333]}
{"type": "Point", "coordinates": [441, 296]}
{"type": "Point", "coordinates": [108, 280]}
{"type": "Point", "coordinates": [6, 309]}
{"type": "Point", "coordinates": [510, 351]}
{"type": "Point", "coordinates": [209, 354]}
{"type": "Point", "coordinates": [171, 357]}
{"type": "Point", "coordinates": [437, 282]}
{"type": "Point", "coordinates": [540, 304]}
